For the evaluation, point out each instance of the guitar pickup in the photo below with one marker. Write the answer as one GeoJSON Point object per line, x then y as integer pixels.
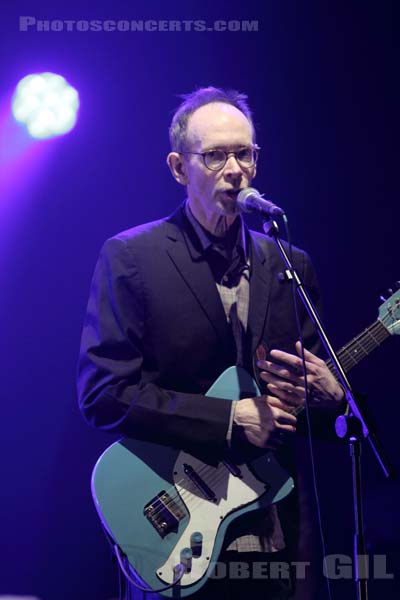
{"type": "Point", "coordinates": [199, 483]}
{"type": "Point", "coordinates": [164, 513]}
{"type": "Point", "coordinates": [232, 468]}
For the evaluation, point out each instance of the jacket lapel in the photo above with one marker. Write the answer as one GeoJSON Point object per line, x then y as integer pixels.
{"type": "Point", "coordinates": [189, 262]}
{"type": "Point", "coordinates": [260, 291]}
{"type": "Point", "coordinates": [192, 267]}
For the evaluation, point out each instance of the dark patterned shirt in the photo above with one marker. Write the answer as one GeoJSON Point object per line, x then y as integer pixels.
{"type": "Point", "coordinates": [228, 257]}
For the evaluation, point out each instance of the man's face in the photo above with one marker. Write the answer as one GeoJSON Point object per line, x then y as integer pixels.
{"type": "Point", "coordinates": [216, 126]}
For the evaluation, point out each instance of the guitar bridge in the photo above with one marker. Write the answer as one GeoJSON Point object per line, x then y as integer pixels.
{"type": "Point", "coordinates": [164, 513]}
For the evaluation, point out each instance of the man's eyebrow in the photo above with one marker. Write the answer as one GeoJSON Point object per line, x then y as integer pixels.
{"type": "Point", "coordinates": [232, 148]}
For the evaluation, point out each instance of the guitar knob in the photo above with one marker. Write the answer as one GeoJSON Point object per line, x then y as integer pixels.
{"type": "Point", "coordinates": [186, 559]}
{"type": "Point", "coordinates": [397, 285]}
{"type": "Point", "coordinates": [390, 291]}
{"type": "Point", "coordinates": [196, 543]}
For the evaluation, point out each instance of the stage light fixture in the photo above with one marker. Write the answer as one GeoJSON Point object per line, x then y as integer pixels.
{"type": "Point", "coordinates": [46, 104]}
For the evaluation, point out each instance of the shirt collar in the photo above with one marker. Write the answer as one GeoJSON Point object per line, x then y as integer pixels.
{"type": "Point", "coordinates": [207, 239]}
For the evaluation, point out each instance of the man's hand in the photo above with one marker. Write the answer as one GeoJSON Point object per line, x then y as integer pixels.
{"type": "Point", "coordinates": [287, 382]}
{"type": "Point", "coordinates": [264, 420]}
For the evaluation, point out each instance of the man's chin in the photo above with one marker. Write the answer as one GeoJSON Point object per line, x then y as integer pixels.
{"type": "Point", "coordinates": [227, 205]}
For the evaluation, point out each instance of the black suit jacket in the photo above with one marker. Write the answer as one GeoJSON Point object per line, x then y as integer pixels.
{"type": "Point", "coordinates": [156, 335]}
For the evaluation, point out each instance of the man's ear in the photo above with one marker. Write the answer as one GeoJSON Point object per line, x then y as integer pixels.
{"type": "Point", "coordinates": [177, 167]}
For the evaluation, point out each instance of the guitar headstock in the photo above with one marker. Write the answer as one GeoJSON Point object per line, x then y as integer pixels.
{"type": "Point", "coordinates": [389, 312]}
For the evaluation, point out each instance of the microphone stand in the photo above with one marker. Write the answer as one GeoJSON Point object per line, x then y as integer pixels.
{"type": "Point", "coordinates": [353, 426]}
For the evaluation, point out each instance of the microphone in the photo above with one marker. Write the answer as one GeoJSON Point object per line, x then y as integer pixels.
{"type": "Point", "coordinates": [250, 200]}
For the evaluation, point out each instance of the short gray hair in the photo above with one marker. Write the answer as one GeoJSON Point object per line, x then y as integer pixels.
{"type": "Point", "coordinates": [201, 97]}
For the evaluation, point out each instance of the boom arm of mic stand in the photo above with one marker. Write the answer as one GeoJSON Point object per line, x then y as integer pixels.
{"type": "Point", "coordinates": [271, 229]}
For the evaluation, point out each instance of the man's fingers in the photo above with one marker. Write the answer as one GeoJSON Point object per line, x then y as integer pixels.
{"type": "Point", "coordinates": [280, 412]}
{"type": "Point", "coordinates": [294, 364]}
{"type": "Point", "coordinates": [283, 417]}
{"type": "Point", "coordinates": [309, 356]}
{"type": "Point", "coordinates": [283, 384]}
{"type": "Point", "coordinates": [292, 398]}
{"type": "Point", "coordinates": [285, 427]}
{"type": "Point", "coordinates": [265, 420]}
{"type": "Point", "coordinates": [287, 372]}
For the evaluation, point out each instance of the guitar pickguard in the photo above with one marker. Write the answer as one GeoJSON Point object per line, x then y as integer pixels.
{"type": "Point", "coordinates": [230, 493]}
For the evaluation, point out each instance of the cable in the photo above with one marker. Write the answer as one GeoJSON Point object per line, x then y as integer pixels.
{"type": "Point", "coordinates": [179, 568]}
{"type": "Point", "coordinates": [306, 405]}
{"type": "Point", "coordinates": [120, 592]}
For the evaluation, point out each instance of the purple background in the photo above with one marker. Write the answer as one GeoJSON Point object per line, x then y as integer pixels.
{"type": "Point", "coordinates": [320, 78]}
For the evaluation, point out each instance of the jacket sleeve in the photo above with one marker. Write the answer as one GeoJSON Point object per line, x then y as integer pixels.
{"type": "Point", "coordinates": [112, 393]}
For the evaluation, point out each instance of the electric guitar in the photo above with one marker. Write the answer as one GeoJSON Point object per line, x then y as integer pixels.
{"type": "Point", "coordinates": [167, 511]}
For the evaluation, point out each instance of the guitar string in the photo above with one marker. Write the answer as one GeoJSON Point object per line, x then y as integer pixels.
{"type": "Point", "coordinates": [380, 327]}
{"type": "Point", "coordinates": [200, 472]}
{"type": "Point", "coordinates": [347, 353]}
{"type": "Point", "coordinates": [217, 475]}
{"type": "Point", "coordinates": [352, 356]}
{"type": "Point", "coordinates": [184, 481]}
{"type": "Point", "coordinates": [377, 325]}
{"type": "Point", "coordinates": [357, 344]}
{"type": "Point", "coordinates": [371, 343]}
{"type": "Point", "coordinates": [366, 346]}
{"type": "Point", "coordinates": [348, 360]}
{"type": "Point", "coordinates": [186, 493]}
{"type": "Point", "coordinates": [213, 479]}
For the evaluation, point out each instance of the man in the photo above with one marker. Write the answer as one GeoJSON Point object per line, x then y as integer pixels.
{"type": "Point", "coordinates": [175, 302]}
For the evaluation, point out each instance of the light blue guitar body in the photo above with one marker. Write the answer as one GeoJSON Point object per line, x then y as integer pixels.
{"type": "Point", "coordinates": [156, 502]}
{"type": "Point", "coordinates": [163, 507]}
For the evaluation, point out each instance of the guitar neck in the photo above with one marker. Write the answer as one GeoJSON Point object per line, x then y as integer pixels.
{"type": "Point", "coordinates": [360, 346]}
{"type": "Point", "coordinates": [357, 349]}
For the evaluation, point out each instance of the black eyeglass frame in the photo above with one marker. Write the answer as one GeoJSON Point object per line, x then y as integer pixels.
{"type": "Point", "coordinates": [254, 148]}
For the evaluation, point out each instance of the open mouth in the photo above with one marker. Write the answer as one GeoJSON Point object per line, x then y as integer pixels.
{"type": "Point", "coordinates": [232, 193]}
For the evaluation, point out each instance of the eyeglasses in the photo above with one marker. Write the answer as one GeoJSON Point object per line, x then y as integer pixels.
{"type": "Point", "coordinates": [215, 160]}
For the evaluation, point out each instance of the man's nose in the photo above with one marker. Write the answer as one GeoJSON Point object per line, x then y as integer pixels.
{"type": "Point", "coordinates": [232, 166]}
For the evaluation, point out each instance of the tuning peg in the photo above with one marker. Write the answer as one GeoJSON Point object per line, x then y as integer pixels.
{"type": "Point", "coordinates": [390, 291]}
{"type": "Point", "coordinates": [397, 285]}
{"type": "Point", "coordinates": [382, 298]}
